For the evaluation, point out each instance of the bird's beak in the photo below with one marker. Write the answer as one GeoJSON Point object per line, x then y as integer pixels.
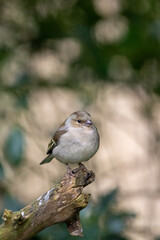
{"type": "Point", "coordinates": [88, 123]}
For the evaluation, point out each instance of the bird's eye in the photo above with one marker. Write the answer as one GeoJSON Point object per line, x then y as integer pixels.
{"type": "Point", "coordinates": [79, 121]}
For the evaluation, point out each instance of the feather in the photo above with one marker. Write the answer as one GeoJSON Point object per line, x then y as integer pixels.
{"type": "Point", "coordinates": [55, 139]}
{"type": "Point", "coordinates": [47, 159]}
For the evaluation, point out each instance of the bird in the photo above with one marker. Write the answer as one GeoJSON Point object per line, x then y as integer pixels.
{"type": "Point", "coordinates": [75, 141]}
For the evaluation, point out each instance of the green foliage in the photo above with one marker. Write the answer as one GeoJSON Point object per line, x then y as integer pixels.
{"type": "Point", "coordinates": [37, 26]}
{"type": "Point", "coordinates": [14, 146]}
{"type": "Point", "coordinates": [1, 172]}
{"type": "Point", "coordinates": [157, 238]}
{"type": "Point", "coordinates": [12, 202]}
{"type": "Point", "coordinates": [104, 221]}
{"type": "Point", "coordinates": [9, 202]}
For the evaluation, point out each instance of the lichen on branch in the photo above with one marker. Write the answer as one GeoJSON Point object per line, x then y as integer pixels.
{"type": "Point", "coordinates": [59, 204]}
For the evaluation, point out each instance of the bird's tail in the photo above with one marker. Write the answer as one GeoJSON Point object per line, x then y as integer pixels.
{"type": "Point", "coordinates": [47, 159]}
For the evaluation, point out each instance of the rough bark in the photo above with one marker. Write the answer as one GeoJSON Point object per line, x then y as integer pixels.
{"type": "Point", "coordinates": [59, 204]}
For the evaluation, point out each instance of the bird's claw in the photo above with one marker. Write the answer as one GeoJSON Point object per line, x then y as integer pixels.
{"type": "Point", "coordinates": [82, 166]}
{"type": "Point", "coordinates": [69, 170]}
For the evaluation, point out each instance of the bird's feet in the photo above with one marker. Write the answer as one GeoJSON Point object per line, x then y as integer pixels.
{"type": "Point", "coordinates": [82, 166]}
{"type": "Point", "coordinates": [74, 171]}
{"type": "Point", "coordinates": [69, 170]}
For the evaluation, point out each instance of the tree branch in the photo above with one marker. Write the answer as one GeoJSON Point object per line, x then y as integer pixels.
{"type": "Point", "coordinates": [59, 204]}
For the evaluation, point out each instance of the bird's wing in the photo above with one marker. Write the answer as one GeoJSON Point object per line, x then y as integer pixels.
{"type": "Point", "coordinates": [56, 137]}
{"type": "Point", "coordinates": [51, 145]}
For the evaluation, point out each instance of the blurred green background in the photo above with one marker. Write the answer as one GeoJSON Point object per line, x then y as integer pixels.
{"type": "Point", "coordinates": [99, 55]}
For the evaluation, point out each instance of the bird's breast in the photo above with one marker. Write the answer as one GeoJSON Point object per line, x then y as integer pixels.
{"type": "Point", "coordinates": [77, 145]}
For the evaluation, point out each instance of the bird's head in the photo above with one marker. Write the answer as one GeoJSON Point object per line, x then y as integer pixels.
{"type": "Point", "coordinates": [80, 119]}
